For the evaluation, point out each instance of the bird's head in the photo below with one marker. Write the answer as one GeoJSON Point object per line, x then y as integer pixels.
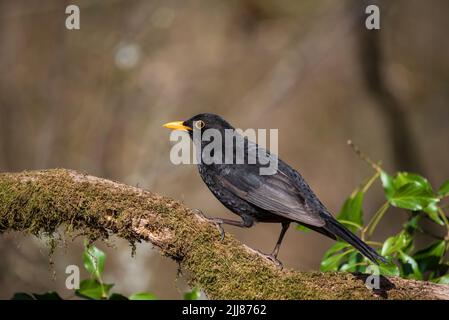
{"type": "Point", "coordinates": [200, 122]}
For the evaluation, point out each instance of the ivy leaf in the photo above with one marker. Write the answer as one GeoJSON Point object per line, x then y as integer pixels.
{"type": "Point", "coordinates": [408, 191]}
{"type": "Point", "coordinates": [443, 191]}
{"type": "Point", "coordinates": [442, 280]}
{"type": "Point", "coordinates": [142, 296]}
{"type": "Point", "coordinates": [389, 270]}
{"type": "Point", "coordinates": [93, 259]}
{"type": "Point", "coordinates": [407, 260]}
{"type": "Point", "coordinates": [336, 247]}
{"type": "Point", "coordinates": [387, 183]}
{"type": "Point", "coordinates": [395, 244]}
{"type": "Point", "coordinates": [388, 246]}
{"type": "Point", "coordinates": [47, 296]}
{"type": "Point", "coordinates": [302, 228]}
{"type": "Point", "coordinates": [333, 257]}
{"type": "Point", "coordinates": [352, 264]}
{"type": "Point", "coordinates": [117, 296]}
{"type": "Point", "coordinates": [332, 263]}
{"type": "Point", "coordinates": [93, 289]}
{"type": "Point", "coordinates": [22, 296]}
{"type": "Point", "coordinates": [352, 210]}
{"type": "Point", "coordinates": [412, 196]}
{"type": "Point", "coordinates": [192, 295]}
{"type": "Point", "coordinates": [412, 224]}
{"type": "Point", "coordinates": [430, 257]}
{"type": "Point", "coordinates": [403, 178]}
{"type": "Point", "coordinates": [51, 295]}
{"type": "Point", "coordinates": [432, 212]}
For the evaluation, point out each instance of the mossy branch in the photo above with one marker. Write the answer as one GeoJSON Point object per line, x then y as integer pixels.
{"type": "Point", "coordinates": [40, 202]}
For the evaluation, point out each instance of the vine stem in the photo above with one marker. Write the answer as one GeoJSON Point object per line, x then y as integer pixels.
{"type": "Point", "coordinates": [370, 182]}
{"type": "Point", "coordinates": [364, 157]}
{"type": "Point", "coordinates": [97, 274]}
{"type": "Point", "coordinates": [375, 243]}
{"type": "Point", "coordinates": [347, 222]}
{"type": "Point", "coordinates": [371, 226]}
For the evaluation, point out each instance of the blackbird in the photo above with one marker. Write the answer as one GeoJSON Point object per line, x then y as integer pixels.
{"type": "Point", "coordinates": [282, 197]}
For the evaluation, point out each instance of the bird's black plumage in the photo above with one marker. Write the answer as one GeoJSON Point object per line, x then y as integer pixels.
{"type": "Point", "coordinates": [282, 197]}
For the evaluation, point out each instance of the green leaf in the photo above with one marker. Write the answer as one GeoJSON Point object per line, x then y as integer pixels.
{"type": "Point", "coordinates": [332, 263]}
{"type": "Point", "coordinates": [442, 280]}
{"type": "Point", "coordinates": [388, 246]}
{"type": "Point", "coordinates": [51, 295]}
{"type": "Point", "coordinates": [444, 189]}
{"type": "Point", "coordinates": [430, 257]}
{"type": "Point", "coordinates": [143, 296]}
{"type": "Point", "coordinates": [412, 196]}
{"type": "Point", "coordinates": [403, 178]}
{"type": "Point", "coordinates": [333, 256]}
{"type": "Point", "coordinates": [408, 191]}
{"type": "Point", "coordinates": [93, 289]}
{"type": "Point", "coordinates": [192, 295]}
{"type": "Point", "coordinates": [436, 249]}
{"type": "Point", "coordinates": [412, 224]}
{"type": "Point", "coordinates": [22, 296]}
{"type": "Point", "coordinates": [352, 210]}
{"type": "Point", "coordinates": [348, 267]}
{"type": "Point", "coordinates": [395, 244]}
{"type": "Point", "coordinates": [352, 263]}
{"type": "Point", "coordinates": [302, 228]}
{"type": "Point", "coordinates": [406, 259]}
{"type": "Point", "coordinates": [389, 270]}
{"type": "Point", "coordinates": [117, 296]}
{"type": "Point", "coordinates": [94, 259]}
{"type": "Point", "coordinates": [432, 212]}
{"type": "Point", "coordinates": [387, 183]}
{"type": "Point", "coordinates": [336, 247]}
{"type": "Point", "coordinates": [47, 296]}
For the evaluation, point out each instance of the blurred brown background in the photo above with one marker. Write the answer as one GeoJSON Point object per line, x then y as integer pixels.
{"type": "Point", "coordinates": [94, 100]}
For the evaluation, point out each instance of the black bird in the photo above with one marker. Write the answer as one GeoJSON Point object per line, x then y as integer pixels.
{"type": "Point", "coordinates": [282, 197]}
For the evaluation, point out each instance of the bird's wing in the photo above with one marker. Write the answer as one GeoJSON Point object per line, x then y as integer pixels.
{"type": "Point", "coordinates": [274, 193]}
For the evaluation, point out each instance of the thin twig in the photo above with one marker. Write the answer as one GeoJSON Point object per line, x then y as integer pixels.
{"type": "Point", "coordinates": [364, 157]}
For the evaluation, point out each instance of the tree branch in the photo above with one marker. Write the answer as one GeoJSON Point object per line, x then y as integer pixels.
{"type": "Point", "coordinates": [40, 202]}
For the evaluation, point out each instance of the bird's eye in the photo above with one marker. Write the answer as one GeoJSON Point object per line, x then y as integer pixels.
{"type": "Point", "coordinates": [200, 124]}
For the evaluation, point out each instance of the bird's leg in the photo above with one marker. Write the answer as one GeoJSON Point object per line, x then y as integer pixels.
{"type": "Point", "coordinates": [245, 223]}
{"type": "Point", "coordinates": [284, 229]}
{"type": "Point", "coordinates": [273, 255]}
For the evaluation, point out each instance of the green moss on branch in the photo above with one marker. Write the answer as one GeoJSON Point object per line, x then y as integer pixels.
{"type": "Point", "coordinates": [42, 202]}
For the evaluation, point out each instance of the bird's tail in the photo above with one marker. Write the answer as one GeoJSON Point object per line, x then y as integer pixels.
{"type": "Point", "coordinates": [342, 232]}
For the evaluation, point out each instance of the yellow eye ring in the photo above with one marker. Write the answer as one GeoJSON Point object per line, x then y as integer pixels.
{"type": "Point", "coordinates": [199, 124]}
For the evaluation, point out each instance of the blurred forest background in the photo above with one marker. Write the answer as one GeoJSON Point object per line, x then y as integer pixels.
{"type": "Point", "coordinates": [94, 100]}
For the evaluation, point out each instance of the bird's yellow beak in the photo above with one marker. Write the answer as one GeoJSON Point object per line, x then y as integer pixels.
{"type": "Point", "coordinates": [177, 125]}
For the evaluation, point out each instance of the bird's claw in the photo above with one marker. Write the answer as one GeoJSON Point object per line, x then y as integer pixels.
{"type": "Point", "coordinates": [214, 221]}
{"type": "Point", "coordinates": [273, 259]}
{"type": "Point", "coordinates": [276, 261]}
{"type": "Point", "coordinates": [221, 230]}
{"type": "Point", "coordinates": [200, 213]}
